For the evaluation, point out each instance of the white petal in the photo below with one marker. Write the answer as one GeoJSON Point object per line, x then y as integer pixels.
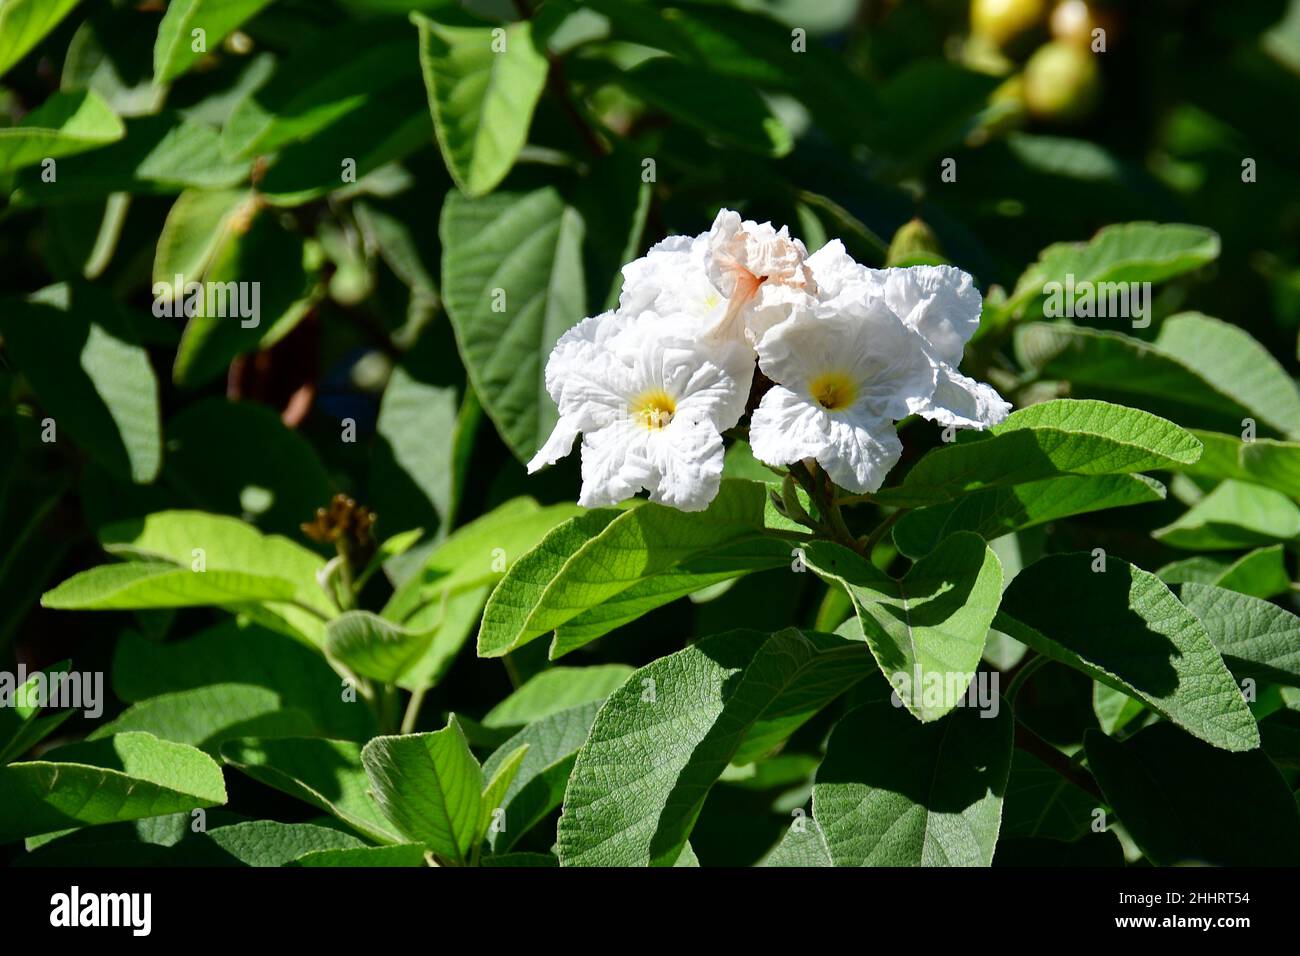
{"type": "Point", "coordinates": [672, 278]}
{"type": "Point", "coordinates": [833, 268]}
{"type": "Point", "coordinates": [861, 338]}
{"type": "Point", "coordinates": [787, 427]}
{"type": "Point", "coordinates": [680, 465]}
{"type": "Point", "coordinates": [861, 452]}
{"type": "Point", "coordinates": [939, 302]}
{"type": "Point", "coordinates": [964, 402]}
{"type": "Point", "coordinates": [557, 446]}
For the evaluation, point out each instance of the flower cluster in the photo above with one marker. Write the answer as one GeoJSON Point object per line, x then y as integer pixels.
{"type": "Point", "coordinates": [652, 386]}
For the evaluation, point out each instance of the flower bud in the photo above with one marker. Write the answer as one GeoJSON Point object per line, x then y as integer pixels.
{"type": "Point", "coordinates": [1061, 82]}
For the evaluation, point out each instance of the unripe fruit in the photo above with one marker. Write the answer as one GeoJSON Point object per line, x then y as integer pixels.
{"type": "Point", "coordinates": [1061, 82]}
{"type": "Point", "coordinates": [1005, 21]}
{"type": "Point", "coordinates": [914, 241]}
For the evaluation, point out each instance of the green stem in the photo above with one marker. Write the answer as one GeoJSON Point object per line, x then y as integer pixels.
{"type": "Point", "coordinates": [412, 714]}
{"type": "Point", "coordinates": [1023, 673]}
{"type": "Point", "coordinates": [882, 529]}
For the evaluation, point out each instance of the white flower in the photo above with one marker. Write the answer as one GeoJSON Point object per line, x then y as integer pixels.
{"type": "Point", "coordinates": [651, 401]}
{"type": "Point", "coordinates": [845, 370]}
{"type": "Point", "coordinates": [734, 282]}
{"type": "Point", "coordinates": [939, 303]}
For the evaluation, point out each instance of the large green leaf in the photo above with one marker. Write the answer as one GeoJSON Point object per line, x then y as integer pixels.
{"type": "Point", "coordinates": [64, 124]}
{"type": "Point", "coordinates": [803, 845]}
{"type": "Point", "coordinates": [1255, 637]}
{"type": "Point", "coordinates": [206, 716]}
{"type": "Point", "coordinates": [79, 351]}
{"type": "Point", "coordinates": [1215, 371]}
{"type": "Point", "coordinates": [927, 630]}
{"type": "Point", "coordinates": [1185, 802]}
{"type": "Point", "coordinates": [1260, 573]}
{"type": "Point", "coordinates": [1128, 252]}
{"type": "Point", "coordinates": [165, 153]}
{"type": "Point", "coordinates": [538, 787]}
{"type": "Point", "coordinates": [429, 786]}
{"type": "Point", "coordinates": [997, 511]}
{"type": "Point", "coordinates": [1234, 515]}
{"type": "Point", "coordinates": [173, 52]}
{"type": "Point", "coordinates": [340, 74]}
{"type": "Point", "coordinates": [608, 554]}
{"type": "Point", "coordinates": [224, 544]}
{"type": "Point", "coordinates": [24, 23]}
{"type": "Point", "coordinates": [483, 84]}
{"type": "Point", "coordinates": [1042, 803]}
{"type": "Point", "coordinates": [894, 792]}
{"type": "Point", "coordinates": [229, 653]}
{"type": "Point", "coordinates": [125, 777]}
{"type": "Point", "coordinates": [728, 110]}
{"type": "Point", "coordinates": [157, 584]}
{"type": "Point", "coordinates": [1124, 628]}
{"type": "Point", "coordinates": [512, 279]}
{"type": "Point", "coordinates": [325, 773]}
{"type": "Point", "coordinates": [556, 689]}
{"type": "Point", "coordinates": [662, 740]}
{"type": "Point", "coordinates": [1264, 461]}
{"type": "Point", "coordinates": [1043, 441]}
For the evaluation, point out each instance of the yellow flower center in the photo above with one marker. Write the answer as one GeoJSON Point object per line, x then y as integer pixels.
{"type": "Point", "coordinates": [654, 410]}
{"type": "Point", "coordinates": [833, 391]}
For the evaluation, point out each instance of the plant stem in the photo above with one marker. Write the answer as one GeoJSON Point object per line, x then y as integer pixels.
{"type": "Point", "coordinates": [1023, 673]}
{"type": "Point", "coordinates": [412, 714]}
{"type": "Point", "coordinates": [882, 529]}
{"type": "Point", "coordinates": [1031, 743]}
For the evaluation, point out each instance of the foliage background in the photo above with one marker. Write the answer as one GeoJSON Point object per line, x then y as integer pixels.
{"type": "Point", "coordinates": [369, 291]}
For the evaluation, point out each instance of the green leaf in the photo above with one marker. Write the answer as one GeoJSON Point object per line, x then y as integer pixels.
{"type": "Point", "coordinates": [173, 52]}
{"type": "Point", "coordinates": [1042, 803]}
{"type": "Point", "coordinates": [105, 781]}
{"type": "Point", "coordinates": [1128, 252]}
{"type": "Point", "coordinates": [512, 280]}
{"type": "Point", "coordinates": [1114, 710]}
{"type": "Point", "coordinates": [927, 630]}
{"type": "Point", "coordinates": [417, 425]}
{"type": "Point", "coordinates": [662, 740]}
{"type": "Point", "coordinates": [64, 124]}
{"type": "Point", "coordinates": [803, 845]}
{"type": "Point", "coordinates": [894, 792]}
{"type": "Point", "coordinates": [1183, 801]}
{"type": "Point", "coordinates": [405, 855]}
{"type": "Point", "coordinates": [556, 689]}
{"type": "Point", "coordinates": [231, 653]}
{"type": "Point", "coordinates": [159, 154]}
{"type": "Point", "coordinates": [370, 646]}
{"type": "Point", "coordinates": [483, 84]}
{"type": "Point", "coordinates": [1234, 515]}
{"type": "Point", "coordinates": [261, 843]}
{"type": "Point", "coordinates": [21, 728]}
{"type": "Point", "coordinates": [538, 787]}
{"type": "Point", "coordinates": [343, 73]}
{"type": "Point", "coordinates": [78, 350]}
{"type": "Point", "coordinates": [607, 554]}
{"type": "Point", "coordinates": [1124, 628]}
{"type": "Point", "coordinates": [1043, 441]}
{"type": "Point", "coordinates": [1261, 573]}
{"type": "Point", "coordinates": [499, 781]}
{"type": "Point", "coordinates": [728, 110]}
{"type": "Point", "coordinates": [223, 544]}
{"type": "Point", "coordinates": [327, 774]}
{"type": "Point", "coordinates": [24, 23]}
{"type": "Point", "coordinates": [1199, 369]}
{"type": "Point", "coordinates": [997, 511]}
{"type": "Point", "coordinates": [154, 584]}
{"type": "Point", "coordinates": [1264, 461]}
{"type": "Point", "coordinates": [206, 716]}
{"type": "Point", "coordinates": [1255, 637]}
{"type": "Point", "coordinates": [429, 786]}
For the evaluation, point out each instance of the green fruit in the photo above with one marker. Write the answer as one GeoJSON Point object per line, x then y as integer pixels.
{"type": "Point", "coordinates": [1005, 21]}
{"type": "Point", "coordinates": [1061, 82]}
